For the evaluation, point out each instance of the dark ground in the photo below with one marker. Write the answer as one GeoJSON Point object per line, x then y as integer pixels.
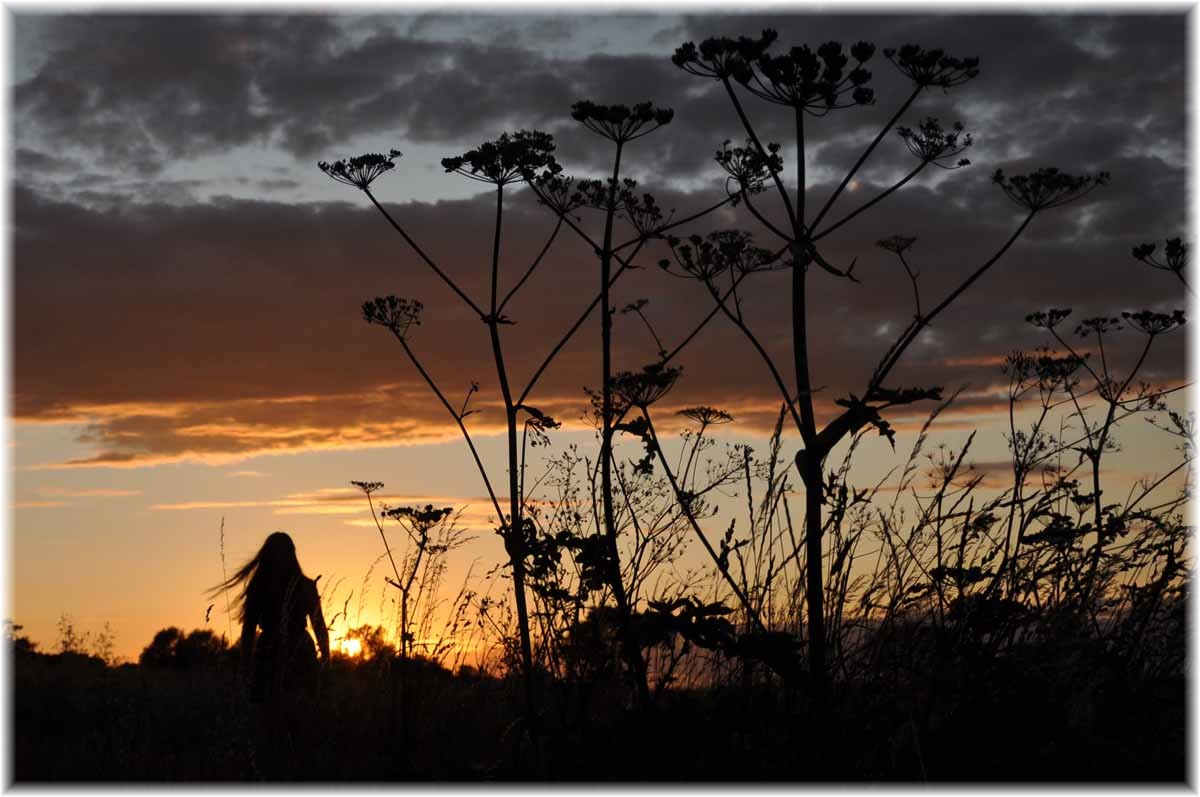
{"type": "Point", "coordinates": [77, 720]}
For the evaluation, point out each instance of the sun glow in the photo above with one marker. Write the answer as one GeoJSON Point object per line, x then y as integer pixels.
{"type": "Point", "coordinates": [351, 648]}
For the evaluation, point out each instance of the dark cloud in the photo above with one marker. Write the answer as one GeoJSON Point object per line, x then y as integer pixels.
{"type": "Point", "coordinates": [236, 322]}
{"type": "Point", "coordinates": [177, 328]}
{"type": "Point", "coordinates": [30, 163]}
{"type": "Point", "coordinates": [211, 83]}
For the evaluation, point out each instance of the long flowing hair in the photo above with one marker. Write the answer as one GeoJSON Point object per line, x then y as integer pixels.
{"type": "Point", "coordinates": [266, 578]}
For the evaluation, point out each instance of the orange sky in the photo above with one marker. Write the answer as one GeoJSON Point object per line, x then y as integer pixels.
{"type": "Point", "coordinates": [138, 547]}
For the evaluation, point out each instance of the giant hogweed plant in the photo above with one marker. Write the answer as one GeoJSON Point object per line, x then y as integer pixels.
{"type": "Point", "coordinates": [806, 84]}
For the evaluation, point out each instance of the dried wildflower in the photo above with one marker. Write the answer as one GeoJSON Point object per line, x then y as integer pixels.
{"type": "Point", "coordinates": [641, 210]}
{"type": "Point", "coordinates": [722, 58]}
{"type": "Point", "coordinates": [642, 388]}
{"type": "Point", "coordinates": [1176, 256]}
{"type": "Point", "coordinates": [1154, 324]}
{"type": "Point", "coordinates": [816, 82]}
{"type": "Point", "coordinates": [709, 257]}
{"type": "Point", "coordinates": [1098, 325]}
{"type": "Point", "coordinates": [620, 123]}
{"type": "Point", "coordinates": [512, 157]}
{"type": "Point", "coordinates": [421, 519]}
{"type": "Point", "coordinates": [557, 192]}
{"type": "Point", "coordinates": [1047, 188]}
{"type": "Point", "coordinates": [361, 171]}
{"type": "Point", "coordinates": [368, 487]}
{"type": "Point", "coordinates": [396, 314]}
{"type": "Point", "coordinates": [897, 244]}
{"type": "Point", "coordinates": [644, 215]}
{"type": "Point", "coordinates": [747, 166]}
{"type": "Point", "coordinates": [932, 144]}
{"type": "Point", "coordinates": [929, 68]}
{"type": "Point", "coordinates": [707, 416]}
{"type": "Point", "coordinates": [1048, 319]}
{"type": "Point", "coordinates": [1053, 368]}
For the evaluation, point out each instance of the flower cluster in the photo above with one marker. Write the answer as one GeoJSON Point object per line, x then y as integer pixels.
{"type": "Point", "coordinates": [1047, 368]}
{"type": "Point", "coordinates": [398, 315]}
{"type": "Point", "coordinates": [642, 388]}
{"type": "Point", "coordinates": [817, 81]}
{"type": "Point", "coordinates": [897, 244]}
{"type": "Point", "coordinates": [707, 416]}
{"type": "Point", "coordinates": [604, 195]}
{"type": "Point", "coordinates": [1048, 319]}
{"type": "Point", "coordinates": [720, 251]}
{"type": "Point", "coordinates": [930, 143]}
{"type": "Point", "coordinates": [1098, 325]}
{"type": "Point", "coordinates": [1153, 323]}
{"type": "Point", "coordinates": [723, 57]}
{"type": "Point", "coordinates": [509, 158]}
{"type": "Point", "coordinates": [929, 68]}
{"type": "Point", "coordinates": [559, 193]}
{"type": "Point", "coordinates": [361, 171]}
{"type": "Point", "coordinates": [1176, 255]}
{"type": "Point", "coordinates": [641, 210]}
{"type": "Point", "coordinates": [644, 214]}
{"type": "Point", "coordinates": [620, 123]}
{"type": "Point", "coordinates": [747, 165]}
{"type": "Point", "coordinates": [421, 520]}
{"type": "Point", "coordinates": [1047, 188]}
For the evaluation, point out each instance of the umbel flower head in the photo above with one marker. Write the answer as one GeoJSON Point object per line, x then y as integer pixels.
{"type": "Point", "coordinates": [559, 193]}
{"type": "Point", "coordinates": [722, 58]}
{"type": "Point", "coordinates": [1154, 324]}
{"type": "Point", "coordinates": [708, 257]}
{"type": "Point", "coordinates": [421, 519]}
{"type": "Point", "coordinates": [816, 82]}
{"type": "Point", "coordinates": [620, 123]}
{"type": "Point", "coordinates": [747, 167]}
{"type": "Point", "coordinates": [641, 210]}
{"type": "Point", "coordinates": [928, 68]}
{"type": "Point", "coordinates": [396, 314]}
{"type": "Point", "coordinates": [361, 171]}
{"type": "Point", "coordinates": [1175, 252]}
{"type": "Point", "coordinates": [642, 388]}
{"type": "Point", "coordinates": [1048, 319]}
{"type": "Point", "coordinates": [1047, 188]}
{"type": "Point", "coordinates": [511, 157]}
{"type": "Point", "coordinates": [897, 244]}
{"type": "Point", "coordinates": [932, 144]}
{"type": "Point", "coordinates": [606, 195]}
{"type": "Point", "coordinates": [644, 215]}
{"type": "Point", "coordinates": [1098, 325]}
{"type": "Point", "coordinates": [707, 416]}
{"type": "Point", "coordinates": [1043, 366]}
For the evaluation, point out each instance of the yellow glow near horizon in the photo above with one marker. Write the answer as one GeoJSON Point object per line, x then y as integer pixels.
{"type": "Point", "coordinates": [351, 648]}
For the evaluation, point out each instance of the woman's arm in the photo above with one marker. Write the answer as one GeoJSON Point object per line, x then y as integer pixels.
{"type": "Point", "coordinates": [317, 618]}
{"type": "Point", "coordinates": [247, 646]}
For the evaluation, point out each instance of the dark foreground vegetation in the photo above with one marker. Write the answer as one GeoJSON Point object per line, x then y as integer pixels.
{"type": "Point", "coordinates": [1051, 710]}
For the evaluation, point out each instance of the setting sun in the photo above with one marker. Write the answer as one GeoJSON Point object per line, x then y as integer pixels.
{"type": "Point", "coordinates": [351, 648]}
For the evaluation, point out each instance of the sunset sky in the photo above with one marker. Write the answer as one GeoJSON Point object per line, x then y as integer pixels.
{"type": "Point", "coordinates": [188, 345]}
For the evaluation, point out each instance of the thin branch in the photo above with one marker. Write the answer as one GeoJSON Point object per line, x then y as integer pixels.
{"type": "Point", "coordinates": [866, 154]}
{"type": "Point", "coordinates": [537, 261]}
{"type": "Point", "coordinates": [424, 256]}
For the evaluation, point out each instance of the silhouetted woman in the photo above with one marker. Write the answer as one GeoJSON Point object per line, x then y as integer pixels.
{"type": "Point", "coordinates": [278, 598]}
{"type": "Point", "coordinates": [280, 663]}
